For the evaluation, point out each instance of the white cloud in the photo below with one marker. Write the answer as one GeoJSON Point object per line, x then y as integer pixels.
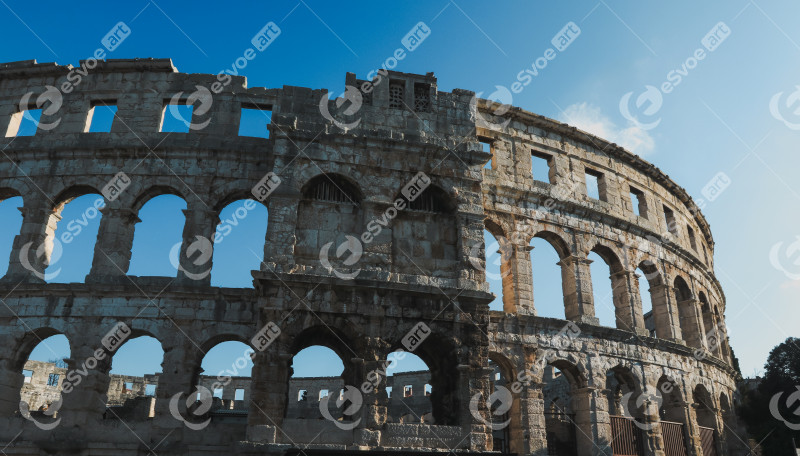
{"type": "Point", "coordinates": [590, 118]}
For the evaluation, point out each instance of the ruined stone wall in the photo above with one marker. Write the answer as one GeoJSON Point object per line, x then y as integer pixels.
{"type": "Point", "coordinates": [423, 267]}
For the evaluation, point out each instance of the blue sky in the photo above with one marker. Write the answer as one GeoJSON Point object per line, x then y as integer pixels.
{"type": "Point", "coordinates": [718, 119]}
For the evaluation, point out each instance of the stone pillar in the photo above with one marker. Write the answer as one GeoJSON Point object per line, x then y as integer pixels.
{"type": "Point", "coordinates": [86, 401]}
{"type": "Point", "coordinates": [180, 365]}
{"type": "Point", "coordinates": [269, 391]}
{"type": "Point", "coordinates": [281, 228]}
{"type": "Point", "coordinates": [30, 253]}
{"type": "Point", "coordinates": [652, 439]}
{"type": "Point", "coordinates": [375, 408]}
{"type": "Point", "coordinates": [691, 323]}
{"type": "Point", "coordinates": [10, 385]}
{"type": "Point", "coordinates": [197, 249]}
{"type": "Point", "coordinates": [665, 314]}
{"type": "Point", "coordinates": [112, 252]}
{"type": "Point", "coordinates": [627, 302]}
{"type": "Point", "coordinates": [518, 282]}
{"type": "Point", "coordinates": [593, 422]}
{"type": "Point", "coordinates": [576, 281]}
{"type": "Point", "coordinates": [471, 381]}
{"type": "Point", "coordinates": [693, 443]}
{"type": "Point", "coordinates": [533, 422]}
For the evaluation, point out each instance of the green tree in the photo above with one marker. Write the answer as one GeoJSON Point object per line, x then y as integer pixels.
{"type": "Point", "coordinates": [772, 409]}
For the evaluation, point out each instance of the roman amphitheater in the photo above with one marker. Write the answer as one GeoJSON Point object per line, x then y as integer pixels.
{"type": "Point", "coordinates": [661, 382]}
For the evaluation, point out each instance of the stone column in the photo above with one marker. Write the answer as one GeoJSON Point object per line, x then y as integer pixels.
{"type": "Point", "coordinates": [652, 439]}
{"type": "Point", "coordinates": [518, 282]}
{"type": "Point", "coordinates": [533, 422]}
{"type": "Point", "coordinates": [471, 381]}
{"type": "Point", "coordinates": [593, 422]}
{"type": "Point", "coordinates": [665, 314]}
{"type": "Point", "coordinates": [691, 323]}
{"type": "Point", "coordinates": [269, 391]}
{"type": "Point", "coordinates": [628, 303]}
{"type": "Point", "coordinates": [30, 253]}
{"type": "Point", "coordinates": [112, 252]}
{"type": "Point", "coordinates": [375, 408]}
{"type": "Point", "coordinates": [197, 249]}
{"type": "Point", "coordinates": [693, 443]}
{"type": "Point", "coordinates": [281, 238]}
{"type": "Point", "coordinates": [10, 385]}
{"type": "Point", "coordinates": [86, 402]}
{"type": "Point", "coordinates": [180, 365]}
{"type": "Point", "coordinates": [577, 285]}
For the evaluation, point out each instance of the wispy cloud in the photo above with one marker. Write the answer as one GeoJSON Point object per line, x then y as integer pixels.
{"type": "Point", "coordinates": [591, 119]}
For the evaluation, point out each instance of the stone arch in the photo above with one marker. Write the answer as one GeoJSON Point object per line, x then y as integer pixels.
{"type": "Point", "coordinates": [688, 313]}
{"type": "Point", "coordinates": [511, 437]}
{"type": "Point", "coordinates": [568, 279]}
{"type": "Point", "coordinates": [623, 389]}
{"type": "Point", "coordinates": [625, 311]}
{"type": "Point", "coordinates": [329, 187]}
{"type": "Point", "coordinates": [506, 254]}
{"type": "Point", "coordinates": [566, 408]}
{"type": "Point", "coordinates": [148, 193]}
{"type": "Point", "coordinates": [710, 325]}
{"type": "Point", "coordinates": [660, 319]}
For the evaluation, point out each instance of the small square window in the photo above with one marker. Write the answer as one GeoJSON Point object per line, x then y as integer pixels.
{"type": "Point", "coordinates": [323, 394]}
{"type": "Point", "coordinates": [422, 97]}
{"type": "Point", "coordinates": [150, 390]}
{"type": "Point", "coordinates": [428, 389]}
{"type": "Point", "coordinates": [692, 240]}
{"type": "Point", "coordinates": [24, 123]}
{"type": "Point", "coordinates": [238, 394]}
{"type": "Point", "coordinates": [218, 393]}
{"type": "Point", "coordinates": [176, 118]}
{"type": "Point", "coordinates": [302, 395]}
{"type": "Point", "coordinates": [254, 120]}
{"type": "Point", "coordinates": [592, 186]}
{"type": "Point", "coordinates": [486, 146]}
{"type": "Point", "coordinates": [101, 117]}
{"type": "Point", "coordinates": [496, 376]}
{"type": "Point", "coordinates": [28, 374]}
{"type": "Point", "coordinates": [705, 254]}
{"type": "Point", "coordinates": [540, 167]}
{"type": "Point", "coordinates": [669, 219]}
{"type": "Point", "coordinates": [127, 386]}
{"type": "Point", "coordinates": [407, 392]}
{"type": "Point", "coordinates": [388, 391]}
{"type": "Point", "coordinates": [52, 380]}
{"type": "Point", "coordinates": [397, 93]}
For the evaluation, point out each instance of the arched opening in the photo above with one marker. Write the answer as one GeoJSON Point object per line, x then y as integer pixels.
{"type": "Point", "coordinates": [12, 224]}
{"type": "Point", "coordinates": [687, 313]}
{"type": "Point", "coordinates": [560, 381]}
{"type": "Point", "coordinates": [225, 375]}
{"type": "Point", "coordinates": [548, 271]}
{"type": "Point", "coordinates": [643, 287]}
{"type": "Point", "coordinates": [158, 237]}
{"type": "Point", "coordinates": [710, 326]}
{"type": "Point", "coordinates": [658, 321]}
{"type": "Point", "coordinates": [409, 389]}
{"type": "Point", "coordinates": [730, 423]}
{"type": "Point", "coordinates": [239, 243]}
{"type": "Point", "coordinates": [316, 375]}
{"type": "Point", "coordinates": [506, 417]}
{"type": "Point", "coordinates": [705, 411]}
{"type": "Point", "coordinates": [135, 369]}
{"type": "Point", "coordinates": [626, 407]}
{"type": "Point", "coordinates": [43, 375]}
{"type": "Point", "coordinates": [612, 303]}
{"type": "Point", "coordinates": [497, 256]}
{"type": "Point", "coordinates": [425, 234]}
{"type": "Point", "coordinates": [328, 213]}
{"type": "Point", "coordinates": [671, 411]}
{"type": "Point", "coordinates": [76, 221]}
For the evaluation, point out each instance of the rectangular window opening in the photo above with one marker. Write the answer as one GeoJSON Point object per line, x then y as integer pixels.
{"type": "Point", "coordinates": [422, 97]}
{"type": "Point", "coordinates": [323, 394]}
{"type": "Point", "coordinates": [705, 254]}
{"type": "Point", "coordinates": [407, 392]}
{"type": "Point", "coordinates": [28, 374]}
{"type": "Point", "coordinates": [176, 117]}
{"type": "Point", "coordinates": [595, 185]}
{"type": "Point", "coordinates": [217, 393]}
{"type": "Point", "coordinates": [302, 395]}
{"type": "Point", "coordinates": [238, 394]}
{"type": "Point", "coordinates": [669, 219]}
{"type": "Point", "coordinates": [692, 240]}
{"type": "Point", "coordinates": [24, 123]}
{"type": "Point", "coordinates": [397, 93]}
{"type": "Point", "coordinates": [254, 120]}
{"type": "Point", "coordinates": [127, 386]}
{"type": "Point", "coordinates": [101, 117]}
{"type": "Point", "coordinates": [540, 167]}
{"type": "Point", "coordinates": [52, 380]}
{"type": "Point", "coordinates": [389, 391]}
{"type": "Point", "coordinates": [638, 202]}
{"type": "Point", "coordinates": [488, 147]}
{"type": "Point", "coordinates": [150, 390]}
{"type": "Point", "coordinates": [428, 389]}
